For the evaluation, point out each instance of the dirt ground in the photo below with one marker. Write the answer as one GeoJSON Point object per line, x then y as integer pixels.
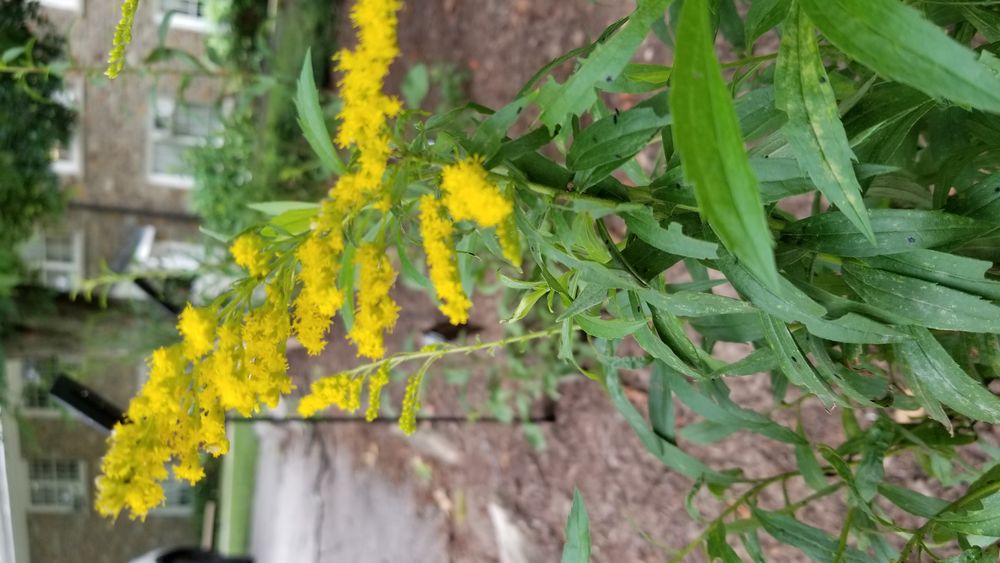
{"type": "Point", "coordinates": [478, 492]}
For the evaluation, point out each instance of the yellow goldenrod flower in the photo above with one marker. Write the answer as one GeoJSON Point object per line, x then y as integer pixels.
{"type": "Point", "coordinates": [470, 196]}
{"type": "Point", "coordinates": [510, 242]}
{"type": "Point", "coordinates": [375, 385]}
{"type": "Point", "coordinates": [376, 311]}
{"type": "Point", "coordinates": [197, 327]}
{"type": "Point", "coordinates": [437, 233]}
{"type": "Point", "coordinates": [320, 298]}
{"type": "Point", "coordinates": [265, 332]}
{"type": "Point", "coordinates": [249, 254]}
{"type": "Point", "coordinates": [224, 369]}
{"type": "Point", "coordinates": [123, 36]}
{"type": "Point", "coordinates": [341, 390]}
{"type": "Point", "coordinates": [411, 404]}
{"type": "Point", "coordinates": [366, 108]}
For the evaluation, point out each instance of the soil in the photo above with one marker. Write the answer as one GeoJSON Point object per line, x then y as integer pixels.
{"type": "Point", "coordinates": [461, 475]}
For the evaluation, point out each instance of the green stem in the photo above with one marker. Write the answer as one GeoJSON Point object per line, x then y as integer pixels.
{"type": "Point", "coordinates": [438, 352]}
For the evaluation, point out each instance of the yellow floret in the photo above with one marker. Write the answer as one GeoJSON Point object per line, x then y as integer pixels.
{"type": "Point", "coordinates": [248, 253]}
{"type": "Point", "coordinates": [470, 196]}
{"type": "Point", "coordinates": [376, 310]}
{"type": "Point", "coordinates": [197, 327]}
{"type": "Point", "coordinates": [437, 232]}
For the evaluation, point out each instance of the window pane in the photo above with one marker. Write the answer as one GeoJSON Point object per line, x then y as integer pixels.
{"type": "Point", "coordinates": [194, 8]}
{"type": "Point", "coordinates": [59, 247]}
{"type": "Point", "coordinates": [168, 157]}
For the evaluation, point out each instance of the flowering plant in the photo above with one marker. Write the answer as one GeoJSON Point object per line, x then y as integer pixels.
{"type": "Point", "coordinates": [878, 301]}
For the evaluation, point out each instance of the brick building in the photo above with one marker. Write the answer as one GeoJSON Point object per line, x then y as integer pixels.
{"type": "Point", "coordinates": [124, 169]}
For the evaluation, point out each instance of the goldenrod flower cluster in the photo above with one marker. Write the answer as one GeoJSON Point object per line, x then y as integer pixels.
{"type": "Point", "coordinates": [180, 411]}
{"type": "Point", "coordinates": [232, 355]}
{"type": "Point", "coordinates": [375, 385]}
{"type": "Point", "coordinates": [469, 195]}
{"type": "Point", "coordinates": [366, 108]}
{"type": "Point", "coordinates": [437, 232]}
{"type": "Point", "coordinates": [377, 312]}
{"type": "Point", "coordinates": [249, 253]}
{"type": "Point", "coordinates": [411, 404]}
{"type": "Point", "coordinates": [123, 36]}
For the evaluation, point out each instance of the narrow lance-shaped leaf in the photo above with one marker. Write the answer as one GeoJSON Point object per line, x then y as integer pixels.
{"type": "Point", "coordinates": [577, 546]}
{"type": "Point", "coordinates": [605, 63]}
{"type": "Point", "coordinates": [707, 135]}
{"type": "Point", "coordinates": [813, 130]}
{"type": "Point", "coordinates": [312, 122]}
{"type": "Point", "coordinates": [945, 380]}
{"type": "Point", "coordinates": [897, 42]}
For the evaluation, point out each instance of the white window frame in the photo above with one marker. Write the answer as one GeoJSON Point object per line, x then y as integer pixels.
{"type": "Point", "coordinates": [77, 488]}
{"type": "Point", "coordinates": [166, 106]}
{"type": "Point", "coordinates": [54, 411]}
{"type": "Point", "coordinates": [68, 5]}
{"type": "Point", "coordinates": [73, 166]}
{"type": "Point", "coordinates": [186, 22]}
{"type": "Point", "coordinates": [73, 268]}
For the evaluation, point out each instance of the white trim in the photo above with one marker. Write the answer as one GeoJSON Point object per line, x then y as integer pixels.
{"type": "Point", "coordinates": [34, 253]}
{"type": "Point", "coordinates": [68, 5]}
{"type": "Point", "coordinates": [186, 22]}
{"type": "Point", "coordinates": [14, 477]}
{"type": "Point", "coordinates": [72, 97]}
{"type": "Point", "coordinates": [164, 107]}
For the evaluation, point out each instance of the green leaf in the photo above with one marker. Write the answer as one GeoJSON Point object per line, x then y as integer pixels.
{"type": "Point", "coordinates": [718, 549]}
{"type": "Point", "coordinates": [527, 302]}
{"type": "Point", "coordinates": [608, 328]}
{"type": "Point", "coordinates": [577, 546]}
{"type": "Point", "coordinates": [813, 130]}
{"type": "Point", "coordinates": [945, 380]}
{"type": "Point", "coordinates": [588, 297]}
{"type": "Point", "coordinates": [416, 85]}
{"type": "Point", "coordinates": [896, 230]}
{"type": "Point", "coordinates": [652, 74]}
{"type": "Point", "coordinates": [671, 240]}
{"type": "Point", "coordinates": [976, 554]}
{"type": "Point", "coordinates": [491, 132]}
{"type": "Point", "coordinates": [722, 411]}
{"type": "Point", "coordinates": [870, 472]}
{"type": "Point", "coordinates": [616, 138]}
{"type": "Point", "coordinates": [959, 272]}
{"type": "Point", "coordinates": [982, 520]}
{"type": "Point", "coordinates": [763, 16]}
{"type": "Point", "coordinates": [312, 122]}
{"type": "Point", "coordinates": [811, 472]}
{"type": "Point", "coordinates": [661, 403]}
{"type": "Point", "coordinates": [707, 135]}
{"type": "Point", "coordinates": [792, 362]}
{"type": "Point", "coordinates": [894, 40]}
{"type": "Point", "coordinates": [605, 63]}
{"type": "Point", "coordinates": [921, 302]}
{"type": "Point", "coordinates": [912, 501]}
{"type": "Point", "coordinates": [669, 454]}
{"type": "Point", "coordinates": [813, 542]}
{"type": "Point", "coordinates": [278, 207]}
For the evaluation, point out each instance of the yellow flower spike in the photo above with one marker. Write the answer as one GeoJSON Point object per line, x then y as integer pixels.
{"type": "Point", "coordinates": [437, 233]}
{"type": "Point", "coordinates": [376, 311]}
{"type": "Point", "coordinates": [123, 36]}
{"type": "Point", "coordinates": [197, 327]}
{"type": "Point", "coordinates": [340, 390]}
{"type": "Point", "coordinates": [375, 385]}
{"type": "Point", "coordinates": [411, 404]}
{"type": "Point", "coordinates": [265, 332]}
{"type": "Point", "coordinates": [249, 253]}
{"type": "Point", "coordinates": [470, 196]}
{"type": "Point", "coordinates": [320, 298]}
{"type": "Point", "coordinates": [510, 241]}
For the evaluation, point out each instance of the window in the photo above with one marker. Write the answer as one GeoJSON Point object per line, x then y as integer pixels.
{"type": "Point", "coordinates": [178, 498]}
{"type": "Point", "coordinates": [175, 129]}
{"type": "Point", "coordinates": [57, 485]}
{"type": "Point", "coordinates": [71, 5]}
{"type": "Point", "coordinates": [57, 256]}
{"type": "Point", "coordinates": [66, 158]}
{"type": "Point", "coordinates": [37, 375]}
{"type": "Point", "coordinates": [187, 14]}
